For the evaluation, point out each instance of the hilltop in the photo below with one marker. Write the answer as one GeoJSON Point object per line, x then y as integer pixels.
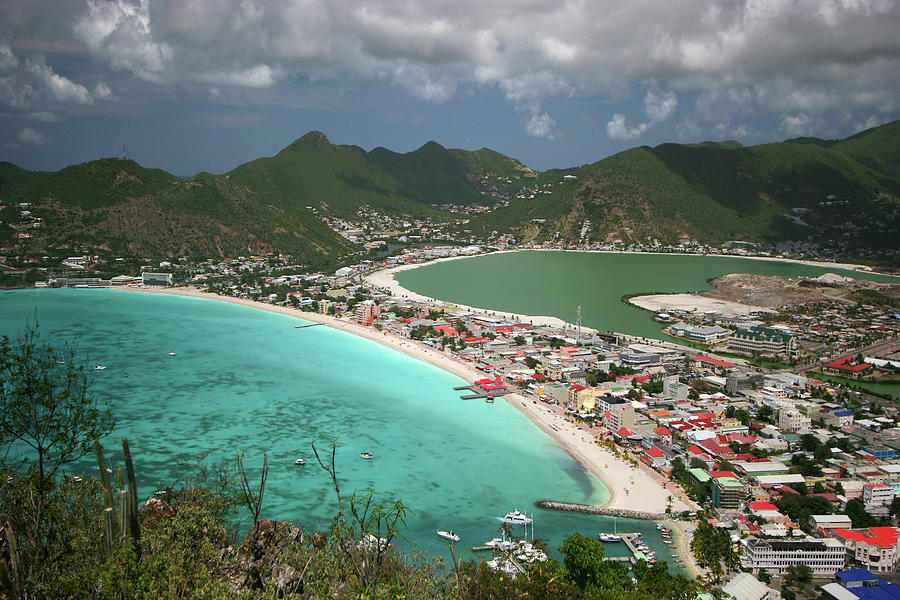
{"type": "Point", "coordinates": [713, 192]}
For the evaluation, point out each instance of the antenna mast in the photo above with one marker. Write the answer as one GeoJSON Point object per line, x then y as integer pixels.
{"type": "Point", "coordinates": [578, 325]}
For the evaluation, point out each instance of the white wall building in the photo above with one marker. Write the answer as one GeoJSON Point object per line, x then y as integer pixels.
{"type": "Point", "coordinates": [824, 556]}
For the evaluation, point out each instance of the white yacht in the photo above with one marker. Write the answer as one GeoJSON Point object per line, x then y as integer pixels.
{"type": "Point", "coordinates": [517, 518]}
{"type": "Point", "coordinates": [300, 461]}
{"type": "Point", "coordinates": [99, 368]}
{"type": "Point", "coordinates": [610, 537]}
{"type": "Point", "coordinates": [448, 535]}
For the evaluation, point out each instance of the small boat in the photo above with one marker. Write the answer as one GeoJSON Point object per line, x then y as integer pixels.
{"type": "Point", "coordinates": [124, 374]}
{"type": "Point", "coordinates": [610, 537]}
{"type": "Point", "coordinates": [99, 368]}
{"type": "Point", "coordinates": [300, 461]}
{"type": "Point", "coordinates": [448, 535]}
{"type": "Point", "coordinates": [489, 399]}
{"type": "Point", "coordinates": [517, 518]}
{"type": "Point", "coordinates": [171, 354]}
{"type": "Point", "coordinates": [60, 362]}
{"type": "Point", "coordinates": [366, 455]}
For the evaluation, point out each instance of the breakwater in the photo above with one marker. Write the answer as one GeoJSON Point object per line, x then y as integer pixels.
{"type": "Point", "coordinates": [601, 510]}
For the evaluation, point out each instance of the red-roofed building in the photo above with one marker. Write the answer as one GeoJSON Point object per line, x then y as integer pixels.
{"type": "Point", "coordinates": [664, 434]}
{"type": "Point", "coordinates": [762, 506]}
{"type": "Point", "coordinates": [716, 449]}
{"type": "Point", "coordinates": [843, 366]}
{"type": "Point", "coordinates": [875, 548]}
{"type": "Point", "coordinates": [446, 331]}
{"type": "Point", "coordinates": [654, 457]}
{"type": "Point", "coordinates": [715, 364]}
{"type": "Point", "coordinates": [715, 474]}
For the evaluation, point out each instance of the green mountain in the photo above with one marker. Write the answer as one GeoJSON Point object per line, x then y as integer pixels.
{"type": "Point", "coordinates": [716, 192]}
{"type": "Point", "coordinates": [802, 189]}
{"type": "Point", "coordinates": [121, 207]}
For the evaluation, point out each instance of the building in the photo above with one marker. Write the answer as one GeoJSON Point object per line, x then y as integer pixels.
{"type": "Point", "coordinates": [728, 493]}
{"type": "Point", "coordinates": [714, 364]}
{"type": "Point", "coordinates": [156, 278]}
{"type": "Point", "coordinates": [877, 494]}
{"type": "Point", "coordinates": [824, 556]}
{"type": "Point", "coordinates": [822, 523]}
{"type": "Point", "coordinates": [745, 586]}
{"type": "Point", "coordinates": [617, 416]}
{"type": "Point", "coordinates": [673, 388]}
{"type": "Point", "coordinates": [762, 340]}
{"type": "Point", "coordinates": [707, 335]}
{"type": "Point", "coordinates": [366, 311]}
{"type": "Point", "coordinates": [843, 367]}
{"type": "Point", "coordinates": [791, 419]}
{"type": "Point", "coordinates": [859, 584]}
{"type": "Point", "coordinates": [875, 548]}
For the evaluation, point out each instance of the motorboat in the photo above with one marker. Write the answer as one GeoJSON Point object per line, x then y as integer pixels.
{"type": "Point", "coordinates": [366, 455]}
{"type": "Point", "coordinates": [517, 518]}
{"type": "Point", "coordinates": [500, 544]}
{"type": "Point", "coordinates": [300, 461]}
{"type": "Point", "coordinates": [171, 354]}
{"type": "Point", "coordinates": [447, 535]}
{"type": "Point", "coordinates": [99, 368]}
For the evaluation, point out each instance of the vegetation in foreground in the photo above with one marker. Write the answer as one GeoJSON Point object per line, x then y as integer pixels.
{"type": "Point", "coordinates": [67, 536]}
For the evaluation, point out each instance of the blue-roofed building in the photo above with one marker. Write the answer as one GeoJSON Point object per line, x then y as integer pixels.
{"type": "Point", "coordinates": [860, 584]}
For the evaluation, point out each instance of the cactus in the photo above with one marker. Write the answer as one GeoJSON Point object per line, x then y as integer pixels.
{"type": "Point", "coordinates": [108, 520]}
{"type": "Point", "coordinates": [134, 525]}
{"type": "Point", "coordinates": [13, 574]}
{"type": "Point", "coordinates": [119, 526]}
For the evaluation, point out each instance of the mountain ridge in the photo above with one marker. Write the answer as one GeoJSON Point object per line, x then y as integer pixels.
{"type": "Point", "coordinates": [711, 191]}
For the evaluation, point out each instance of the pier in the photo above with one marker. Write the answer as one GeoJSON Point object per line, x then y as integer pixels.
{"type": "Point", "coordinates": [478, 393]}
{"type": "Point", "coordinates": [600, 510]}
{"type": "Point", "coordinates": [631, 541]}
{"type": "Point", "coordinates": [307, 325]}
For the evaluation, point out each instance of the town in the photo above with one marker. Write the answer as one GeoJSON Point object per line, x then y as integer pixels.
{"type": "Point", "coordinates": [796, 464]}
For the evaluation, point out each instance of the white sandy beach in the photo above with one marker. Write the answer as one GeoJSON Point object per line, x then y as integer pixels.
{"type": "Point", "coordinates": [645, 490]}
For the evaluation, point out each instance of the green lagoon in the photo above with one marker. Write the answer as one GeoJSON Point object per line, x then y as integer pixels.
{"type": "Point", "coordinates": [556, 283]}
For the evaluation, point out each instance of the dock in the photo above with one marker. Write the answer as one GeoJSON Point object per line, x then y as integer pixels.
{"type": "Point", "coordinates": [636, 553]}
{"type": "Point", "coordinates": [307, 325]}
{"type": "Point", "coordinates": [478, 393]}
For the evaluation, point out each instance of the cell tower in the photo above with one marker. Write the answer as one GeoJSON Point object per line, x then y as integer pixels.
{"type": "Point", "coordinates": [578, 325]}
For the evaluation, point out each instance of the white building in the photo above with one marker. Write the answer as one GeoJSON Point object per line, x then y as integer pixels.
{"type": "Point", "coordinates": [825, 557]}
{"type": "Point", "coordinates": [791, 419]}
{"type": "Point", "coordinates": [877, 494]}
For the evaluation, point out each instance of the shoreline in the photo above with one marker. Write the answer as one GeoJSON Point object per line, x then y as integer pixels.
{"type": "Point", "coordinates": [625, 483]}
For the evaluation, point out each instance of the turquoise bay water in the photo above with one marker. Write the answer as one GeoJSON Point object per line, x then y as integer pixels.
{"type": "Point", "coordinates": [247, 380]}
{"type": "Point", "coordinates": [555, 283]}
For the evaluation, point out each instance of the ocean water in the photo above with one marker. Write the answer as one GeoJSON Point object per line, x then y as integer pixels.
{"type": "Point", "coordinates": [246, 380]}
{"type": "Point", "coordinates": [555, 283]}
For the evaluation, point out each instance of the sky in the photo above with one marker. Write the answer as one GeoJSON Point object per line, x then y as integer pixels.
{"type": "Point", "coordinates": [205, 85]}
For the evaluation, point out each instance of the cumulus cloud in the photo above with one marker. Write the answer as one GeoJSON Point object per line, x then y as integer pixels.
{"type": "Point", "coordinates": [658, 106]}
{"type": "Point", "coordinates": [541, 126]}
{"type": "Point", "coordinates": [618, 130]}
{"type": "Point", "coordinates": [750, 58]}
{"type": "Point", "coordinates": [29, 136]}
